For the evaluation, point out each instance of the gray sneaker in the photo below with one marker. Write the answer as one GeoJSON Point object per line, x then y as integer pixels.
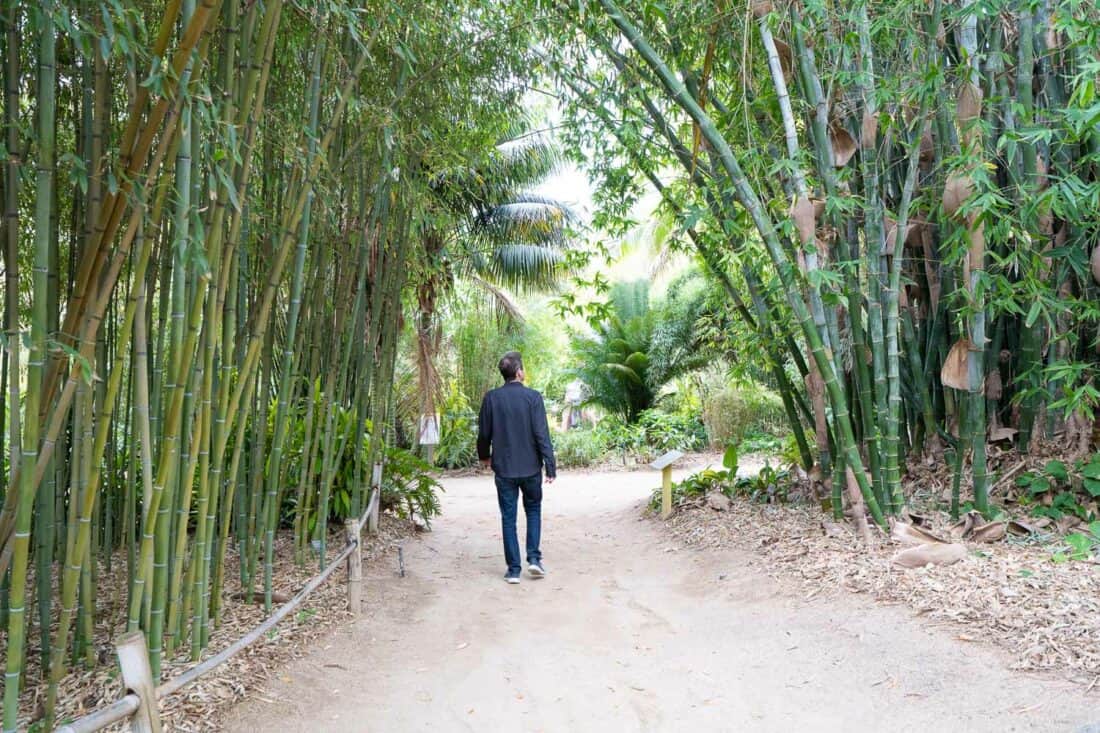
{"type": "Point", "coordinates": [535, 570]}
{"type": "Point", "coordinates": [511, 579]}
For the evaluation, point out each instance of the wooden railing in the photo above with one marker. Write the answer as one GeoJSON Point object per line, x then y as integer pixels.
{"type": "Point", "coordinates": [139, 705]}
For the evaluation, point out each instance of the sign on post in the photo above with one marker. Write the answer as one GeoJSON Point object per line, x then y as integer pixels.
{"type": "Point", "coordinates": [664, 465]}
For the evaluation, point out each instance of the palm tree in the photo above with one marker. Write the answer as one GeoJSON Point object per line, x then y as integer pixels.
{"type": "Point", "coordinates": [614, 361]}
{"type": "Point", "coordinates": [487, 226]}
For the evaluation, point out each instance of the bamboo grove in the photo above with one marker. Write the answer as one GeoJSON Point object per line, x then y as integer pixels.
{"type": "Point", "coordinates": [217, 214]}
{"type": "Point", "coordinates": [900, 200]}
{"type": "Point", "coordinates": [212, 209]}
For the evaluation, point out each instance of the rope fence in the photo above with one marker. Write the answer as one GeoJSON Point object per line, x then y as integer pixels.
{"type": "Point", "coordinates": [139, 705]}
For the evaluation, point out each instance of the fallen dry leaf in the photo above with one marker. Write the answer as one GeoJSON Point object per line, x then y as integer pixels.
{"type": "Point", "coordinates": [930, 554]}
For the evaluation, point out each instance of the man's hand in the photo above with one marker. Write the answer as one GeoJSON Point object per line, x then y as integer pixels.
{"type": "Point", "coordinates": [550, 479]}
{"type": "Point", "coordinates": [485, 462]}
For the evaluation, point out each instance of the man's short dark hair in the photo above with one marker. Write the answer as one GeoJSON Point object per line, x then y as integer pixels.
{"type": "Point", "coordinates": [509, 365]}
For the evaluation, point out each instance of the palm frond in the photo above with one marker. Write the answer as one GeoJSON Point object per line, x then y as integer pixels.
{"type": "Point", "coordinates": [506, 235]}
{"type": "Point", "coordinates": [527, 161]}
{"type": "Point", "coordinates": [503, 175]}
{"type": "Point", "coordinates": [522, 222]}
{"type": "Point", "coordinates": [614, 361]}
{"type": "Point", "coordinates": [638, 362]}
{"type": "Point", "coordinates": [624, 372]}
{"type": "Point", "coordinates": [523, 267]}
{"type": "Point", "coordinates": [504, 307]}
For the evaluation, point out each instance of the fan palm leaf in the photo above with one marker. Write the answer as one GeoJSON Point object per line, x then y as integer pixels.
{"type": "Point", "coordinates": [528, 219]}
{"type": "Point", "coordinates": [523, 267]}
{"type": "Point", "coordinates": [510, 169]}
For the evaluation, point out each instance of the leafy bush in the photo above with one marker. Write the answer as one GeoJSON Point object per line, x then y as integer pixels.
{"type": "Point", "coordinates": [685, 394]}
{"type": "Point", "coordinates": [345, 465]}
{"type": "Point", "coordinates": [703, 482]}
{"type": "Point", "coordinates": [670, 431]}
{"type": "Point", "coordinates": [614, 360]}
{"type": "Point", "coordinates": [769, 484]}
{"type": "Point", "coordinates": [1060, 490]}
{"type": "Point", "coordinates": [457, 440]}
{"type": "Point", "coordinates": [1080, 545]}
{"type": "Point", "coordinates": [620, 436]}
{"type": "Point", "coordinates": [730, 414]}
{"type": "Point", "coordinates": [579, 448]}
{"type": "Point", "coordinates": [408, 487]}
{"type": "Point", "coordinates": [655, 432]}
{"type": "Point", "coordinates": [457, 432]}
{"type": "Point", "coordinates": [757, 442]}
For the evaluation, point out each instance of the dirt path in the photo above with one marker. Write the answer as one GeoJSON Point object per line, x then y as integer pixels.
{"type": "Point", "coordinates": [628, 633]}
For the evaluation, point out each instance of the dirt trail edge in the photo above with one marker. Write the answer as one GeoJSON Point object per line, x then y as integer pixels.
{"type": "Point", "coordinates": [631, 633]}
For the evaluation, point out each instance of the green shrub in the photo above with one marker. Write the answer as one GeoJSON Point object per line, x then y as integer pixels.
{"type": "Point", "coordinates": [1080, 545]}
{"type": "Point", "coordinates": [1061, 489]}
{"type": "Point", "coordinates": [730, 414]}
{"type": "Point", "coordinates": [683, 396]}
{"type": "Point", "coordinates": [579, 448]}
{"type": "Point", "coordinates": [457, 440]}
{"type": "Point", "coordinates": [672, 431]}
{"type": "Point", "coordinates": [619, 436]}
{"type": "Point", "coordinates": [408, 487]}
{"type": "Point", "coordinates": [703, 482]}
{"type": "Point", "coordinates": [655, 432]}
{"type": "Point", "coordinates": [768, 485]}
{"type": "Point", "coordinates": [613, 361]}
{"type": "Point", "coordinates": [757, 442]}
{"type": "Point", "coordinates": [457, 432]}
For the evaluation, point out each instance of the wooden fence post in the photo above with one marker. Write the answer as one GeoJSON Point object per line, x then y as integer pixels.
{"type": "Point", "coordinates": [375, 509]}
{"type": "Point", "coordinates": [355, 567]}
{"type": "Point", "coordinates": [133, 659]}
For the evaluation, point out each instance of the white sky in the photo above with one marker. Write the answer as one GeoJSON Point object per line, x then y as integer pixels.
{"type": "Point", "coordinates": [571, 187]}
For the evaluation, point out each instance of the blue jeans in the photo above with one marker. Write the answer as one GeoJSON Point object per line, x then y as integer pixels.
{"type": "Point", "coordinates": [508, 490]}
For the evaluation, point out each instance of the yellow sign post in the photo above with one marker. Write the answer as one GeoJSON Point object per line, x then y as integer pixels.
{"type": "Point", "coordinates": [664, 464]}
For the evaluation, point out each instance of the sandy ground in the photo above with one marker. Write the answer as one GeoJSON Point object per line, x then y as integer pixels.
{"type": "Point", "coordinates": [630, 632]}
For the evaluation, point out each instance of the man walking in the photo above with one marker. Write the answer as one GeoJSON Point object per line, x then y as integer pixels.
{"type": "Point", "coordinates": [513, 434]}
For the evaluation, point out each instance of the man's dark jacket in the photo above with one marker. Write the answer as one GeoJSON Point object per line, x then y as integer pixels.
{"type": "Point", "coordinates": [513, 422]}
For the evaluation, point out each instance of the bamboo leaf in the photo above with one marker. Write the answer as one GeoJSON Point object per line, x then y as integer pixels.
{"type": "Point", "coordinates": [1033, 313]}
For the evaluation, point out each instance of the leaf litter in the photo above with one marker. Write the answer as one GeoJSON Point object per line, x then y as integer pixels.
{"type": "Point", "coordinates": [202, 705]}
{"type": "Point", "coordinates": [1004, 589]}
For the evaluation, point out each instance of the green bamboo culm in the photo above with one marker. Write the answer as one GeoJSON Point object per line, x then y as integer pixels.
{"type": "Point", "coordinates": [750, 201]}
{"type": "Point", "coordinates": [43, 24]}
{"type": "Point", "coordinates": [286, 384]}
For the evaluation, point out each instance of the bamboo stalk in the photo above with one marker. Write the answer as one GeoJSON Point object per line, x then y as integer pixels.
{"type": "Point", "coordinates": [93, 318]}
{"type": "Point", "coordinates": [24, 497]}
{"type": "Point", "coordinates": [893, 458]}
{"type": "Point", "coordinates": [747, 197]}
{"type": "Point", "coordinates": [287, 377]}
{"type": "Point", "coordinates": [11, 236]}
